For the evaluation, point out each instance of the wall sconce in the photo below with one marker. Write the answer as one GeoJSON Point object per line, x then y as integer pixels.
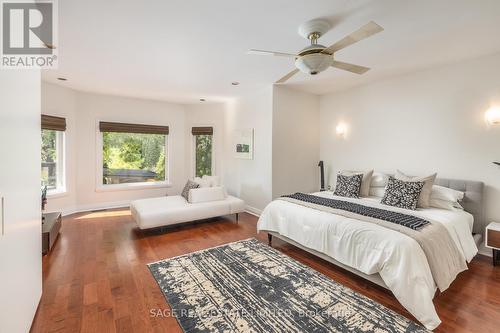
{"type": "Point", "coordinates": [492, 116]}
{"type": "Point", "coordinates": [341, 130]}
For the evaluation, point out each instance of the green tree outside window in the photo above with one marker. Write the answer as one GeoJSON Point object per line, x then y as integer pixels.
{"type": "Point", "coordinates": [203, 145]}
{"type": "Point", "coordinates": [133, 157]}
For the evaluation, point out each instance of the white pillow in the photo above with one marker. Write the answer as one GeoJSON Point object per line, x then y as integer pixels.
{"type": "Point", "coordinates": [203, 182]}
{"type": "Point", "coordinates": [212, 180]}
{"type": "Point", "coordinates": [377, 192]}
{"type": "Point", "coordinates": [206, 194]}
{"type": "Point", "coordinates": [446, 193]}
{"type": "Point", "coordinates": [445, 204]}
{"type": "Point", "coordinates": [445, 198]}
{"type": "Point", "coordinates": [379, 180]}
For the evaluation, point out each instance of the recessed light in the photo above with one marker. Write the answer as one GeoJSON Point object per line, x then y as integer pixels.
{"type": "Point", "coordinates": [235, 83]}
{"type": "Point", "coordinates": [202, 100]}
{"type": "Point", "coordinates": [62, 79]}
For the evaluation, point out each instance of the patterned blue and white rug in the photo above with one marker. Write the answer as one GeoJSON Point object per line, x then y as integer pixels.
{"type": "Point", "coordinates": [248, 286]}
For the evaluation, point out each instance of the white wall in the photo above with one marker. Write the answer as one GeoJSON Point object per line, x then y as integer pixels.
{"type": "Point", "coordinates": [83, 111]}
{"type": "Point", "coordinates": [295, 142]}
{"type": "Point", "coordinates": [430, 121]}
{"type": "Point", "coordinates": [251, 180]}
{"type": "Point", "coordinates": [20, 243]}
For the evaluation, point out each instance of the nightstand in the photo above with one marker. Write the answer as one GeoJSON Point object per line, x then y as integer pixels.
{"type": "Point", "coordinates": [493, 240]}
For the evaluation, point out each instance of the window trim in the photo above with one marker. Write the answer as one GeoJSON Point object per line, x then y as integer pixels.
{"type": "Point", "coordinates": [100, 187]}
{"type": "Point", "coordinates": [60, 189]}
{"type": "Point", "coordinates": [193, 149]}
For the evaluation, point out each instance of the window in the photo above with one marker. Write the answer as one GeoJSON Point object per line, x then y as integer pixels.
{"type": "Point", "coordinates": [133, 153]}
{"type": "Point", "coordinates": [52, 168]}
{"type": "Point", "coordinates": [203, 143]}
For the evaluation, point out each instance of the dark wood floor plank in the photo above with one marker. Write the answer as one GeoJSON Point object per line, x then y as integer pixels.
{"type": "Point", "coordinates": [96, 278]}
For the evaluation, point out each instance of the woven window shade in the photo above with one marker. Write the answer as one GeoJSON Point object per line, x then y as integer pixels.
{"type": "Point", "coordinates": [202, 130]}
{"type": "Point", "coordinates": [53, 123]}
{"type": "Point", "coordinates": [132, 128]}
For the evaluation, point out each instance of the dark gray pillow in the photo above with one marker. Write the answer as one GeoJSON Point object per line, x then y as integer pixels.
{"type": "Point", "coordinates": [189, 185]}
{"type": "Point", "coordinates": [399, 193]}
{"type": "Point", "coordinates": [348, 186]}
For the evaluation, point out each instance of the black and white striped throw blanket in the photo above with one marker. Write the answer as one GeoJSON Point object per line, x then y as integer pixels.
{"type": "Point", "coordinates": [406, 220]}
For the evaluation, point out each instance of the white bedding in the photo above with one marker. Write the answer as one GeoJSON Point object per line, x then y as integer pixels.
{"type": "Point", "coordinates": [371, 248]}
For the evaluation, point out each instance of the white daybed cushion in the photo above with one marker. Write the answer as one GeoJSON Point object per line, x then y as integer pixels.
{"type": "Point", "coordinates": [205, 194]}
{"type": "Point", "coordinates": [162, 211]}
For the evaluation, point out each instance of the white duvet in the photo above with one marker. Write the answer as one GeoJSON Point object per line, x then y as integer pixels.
{"type": "Point", "coordinates": [371, 248]}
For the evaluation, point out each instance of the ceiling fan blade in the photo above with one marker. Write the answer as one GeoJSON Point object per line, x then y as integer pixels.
{"type": "Point", "coordinates": [289, 75]}
{"type": "Point", "coordinates": [350, 67]}
{"type": "Point", "coordinates": [272, 53]}
{"type": "Point", "coordinates": [365, 31]}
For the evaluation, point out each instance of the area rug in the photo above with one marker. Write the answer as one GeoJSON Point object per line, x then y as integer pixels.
{"type": "Point", "coordinates": [248, 286]}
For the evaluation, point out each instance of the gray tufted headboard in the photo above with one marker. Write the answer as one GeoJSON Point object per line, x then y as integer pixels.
{"type": "Point", "coordinates": [473, 199]}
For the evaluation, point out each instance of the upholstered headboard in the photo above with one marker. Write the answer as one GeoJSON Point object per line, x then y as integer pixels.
{"type": "Point", "coordinates": [473, 199]}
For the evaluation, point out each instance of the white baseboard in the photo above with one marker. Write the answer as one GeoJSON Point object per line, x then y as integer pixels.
{"type": "Point", "coordinates": [91, 207]}
{"type": "Point", "coordinates": [252, 210]}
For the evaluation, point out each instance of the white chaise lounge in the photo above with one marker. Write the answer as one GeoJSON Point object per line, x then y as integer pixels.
{"type": "Point", "coordinates": [202, 203]}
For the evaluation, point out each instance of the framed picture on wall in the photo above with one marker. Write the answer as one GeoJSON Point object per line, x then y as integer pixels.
{"type": "Point", "coordinates": [243, 144]}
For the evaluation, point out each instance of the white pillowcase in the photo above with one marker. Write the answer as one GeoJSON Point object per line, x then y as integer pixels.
{"type": "Point", "coordinates": [446, 193]}
{"type": "Point", "coordinates": [445, 198]}
{"type": "Point", "coordinates": [444, 204]}
{"type": "Point", "coordinates": [206, 194]}
{"type": "Point", "coordinates": [379, 180]}
{"type": "Point", "coordinates": [377, 192]}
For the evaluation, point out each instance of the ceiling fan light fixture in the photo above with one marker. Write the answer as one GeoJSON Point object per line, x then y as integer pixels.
{"type": "Point", "coordinates": [314, 63]}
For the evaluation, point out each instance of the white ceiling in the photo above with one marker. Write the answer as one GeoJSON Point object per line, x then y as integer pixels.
{"type": "Point", "coordinates": [180, 51]}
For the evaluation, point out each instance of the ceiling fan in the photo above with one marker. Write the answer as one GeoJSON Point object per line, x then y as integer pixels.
{"type": "Point", "coordinates": [316, 58]}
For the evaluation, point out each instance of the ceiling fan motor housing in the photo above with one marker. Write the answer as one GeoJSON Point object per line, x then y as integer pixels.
{"type": "Point", "coordinates": [317, 26]}
{"type": "Point", "coordinates": [314, 63]}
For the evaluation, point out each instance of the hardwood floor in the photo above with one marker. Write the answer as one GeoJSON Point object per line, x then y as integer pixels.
{"type": "Point", "coordinates": [96, 279]}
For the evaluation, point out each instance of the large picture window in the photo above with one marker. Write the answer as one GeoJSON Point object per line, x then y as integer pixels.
{"type": "Point", "coordinates": [203, 154]}
{"type": "Point", "coordinates": [133, 153]}
{"type": "Point", "coordinates": [52, 154]}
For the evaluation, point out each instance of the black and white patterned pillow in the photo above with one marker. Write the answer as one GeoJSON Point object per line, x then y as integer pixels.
{"type": "Point", "coordinates": [348, 186]}
{"type": "Point", "coordinates": [189, 185]}
{"type": "Point", "coordinates": [399, 193]}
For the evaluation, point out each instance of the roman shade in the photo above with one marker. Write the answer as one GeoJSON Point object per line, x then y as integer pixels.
{"type": "Point", "coordinates": [53, 123]}
{"type": "Point", "coordinates": [132, 128]}
{"type": "Point", "coordinates": [202, 130]}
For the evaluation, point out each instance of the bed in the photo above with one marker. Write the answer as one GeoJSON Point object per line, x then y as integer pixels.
{"type": "Point", "coordinates": [384, 256]}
